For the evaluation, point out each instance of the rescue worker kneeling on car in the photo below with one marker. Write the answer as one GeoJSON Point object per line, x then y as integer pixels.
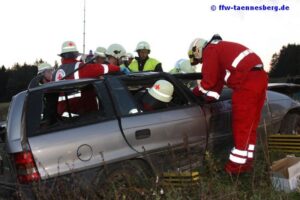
{"type": "Point", "coordinates": [158, 96]}
{"type": "Point", "coordinates": [242, 70]}
{"type": "Point", "coordinates": [71, 68]}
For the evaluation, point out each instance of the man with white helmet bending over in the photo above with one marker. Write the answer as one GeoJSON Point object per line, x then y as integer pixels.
{"type": "Point", "coordinates": [242, 70]}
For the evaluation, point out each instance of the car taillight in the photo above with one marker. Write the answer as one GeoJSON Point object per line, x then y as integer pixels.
{"type": "Point", "coordinates": [26, 168]}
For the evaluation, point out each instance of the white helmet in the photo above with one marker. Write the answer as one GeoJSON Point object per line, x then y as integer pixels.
{"type": "Point", "coordinates": [142, 45]}
{"type": "Point", "coordinates": [68, 47]}
{"type": "Point", "coordinates": [43, 67]}
{"type": "Point", "coordinates": [129, 55]}
{"type": "Point", "coordinates": [116, 50]}
{"type": "Point", "coordinates": [100, 51]}
{"type": "Point", "coordinates": [162, 90]}
{"type": "Point", "coordinates": [183, 66]}
{"type": "Point", "coordinates": [196, 48]}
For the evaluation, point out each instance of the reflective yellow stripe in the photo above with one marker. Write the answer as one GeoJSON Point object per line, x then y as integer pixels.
{"type": "Point", "coordinates": [240, 57]}
{"type": "Point", "coordinates": [149, 65]}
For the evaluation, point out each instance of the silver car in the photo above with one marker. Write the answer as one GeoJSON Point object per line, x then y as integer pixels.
{"type": "Point", "coordinates": [51, 132]}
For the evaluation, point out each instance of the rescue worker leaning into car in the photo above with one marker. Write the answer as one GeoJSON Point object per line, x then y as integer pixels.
{"type": "Point", "coordinates": [143, 62]}
{"type": "Point", "coordinates": [114, 54]}
{"type": "Point", "coordinates": [44, 75]}
{"type": "Point", "coordinates": [85, 101]}
{"type": "Point", "coordinates": [242, 70]}
{"type": "Point", "coordinates": [157, 97]}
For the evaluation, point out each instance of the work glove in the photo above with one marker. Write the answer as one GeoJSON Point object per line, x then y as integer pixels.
{"type": "Point", "coordinates": [124, 70]}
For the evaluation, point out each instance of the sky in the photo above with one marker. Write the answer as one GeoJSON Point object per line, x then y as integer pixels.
{"type": "Point", "coordinates": [34, 29]}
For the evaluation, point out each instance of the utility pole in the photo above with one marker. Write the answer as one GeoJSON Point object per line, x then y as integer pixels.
{"type": "Point", "coordinates": [84, 27]}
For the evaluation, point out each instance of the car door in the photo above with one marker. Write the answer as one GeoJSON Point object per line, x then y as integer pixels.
{"type": "Point", "coordinates": [153, 130]}
{"type": "Point", "coordinates": [77, 141]}
{"type": "Point", "coordinates": [164, 128]}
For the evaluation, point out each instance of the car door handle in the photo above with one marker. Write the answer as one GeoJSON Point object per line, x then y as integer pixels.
{"type": "Point", "coordinates": [142, 134]}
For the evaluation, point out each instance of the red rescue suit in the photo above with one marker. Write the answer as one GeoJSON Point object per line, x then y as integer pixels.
{"type": "Point", "coordinates": [86, 100]}
{"type": "Point", "coordinates": [242, 70]}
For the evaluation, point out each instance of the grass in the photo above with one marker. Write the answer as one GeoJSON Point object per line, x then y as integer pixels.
{"type": "Point", "coordinates": [3, 111]}
{"type": "Point", "coordinates": [214, 184]}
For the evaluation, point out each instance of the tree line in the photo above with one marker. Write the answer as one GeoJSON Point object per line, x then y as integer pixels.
{"type": "Point", "coordinates": [16, 79]}
{"type": "Point", "coordinates": [285, 66]}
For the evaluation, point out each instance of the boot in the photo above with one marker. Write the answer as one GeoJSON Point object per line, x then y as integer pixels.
{"type": "Point", "coordinates": [236, 169]}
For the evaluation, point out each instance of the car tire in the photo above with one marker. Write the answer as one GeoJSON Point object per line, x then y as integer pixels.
{"type": "Point", "coordinates": [128, 179]}
{"type": "Point", "coordinates": [291, 124]}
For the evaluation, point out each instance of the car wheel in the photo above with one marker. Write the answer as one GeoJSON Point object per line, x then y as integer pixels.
{"type": "Point", "coordinates": [291, 124]}
{"type": "Point", "coordinates": [130, 179]}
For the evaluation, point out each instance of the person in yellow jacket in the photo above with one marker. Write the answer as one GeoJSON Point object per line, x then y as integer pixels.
{"type": "Point", "coordinates": [143, 62]}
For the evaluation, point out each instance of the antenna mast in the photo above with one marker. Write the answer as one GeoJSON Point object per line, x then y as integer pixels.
{"type": "Point", "coordinates": [84, 27]}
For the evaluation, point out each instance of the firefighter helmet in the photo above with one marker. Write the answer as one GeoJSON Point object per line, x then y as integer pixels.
{"type": "Point", "coordinates": [143, 45]}
{"type": "Point", "coordinates": [100, 51]}
{"type": "Point", "coordinates": [68, 47]}
{"type": "Point", "coordinates": [162, 90]}
{"type": "Point", "coordinates": [129, 55]}
{"type": "Point", "coordinates": [116, 51]}
{"type": "Point", "coordinates": [42, 67]}
{"type": "Point", "coordinates": [183, 66]}
{"type": "Point", "coordinates": [196, 48]}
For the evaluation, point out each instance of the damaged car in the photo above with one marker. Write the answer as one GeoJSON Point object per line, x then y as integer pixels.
{"type": "Point", "coordinates": [43, 142]}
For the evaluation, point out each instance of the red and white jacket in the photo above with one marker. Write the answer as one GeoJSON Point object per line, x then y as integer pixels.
{"type": "Point", "coordinates": [84, 101]}
{"type": "Point", "coordinates": [91, 70]}
{"type": "Point", "coordinates": [225, 63]}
